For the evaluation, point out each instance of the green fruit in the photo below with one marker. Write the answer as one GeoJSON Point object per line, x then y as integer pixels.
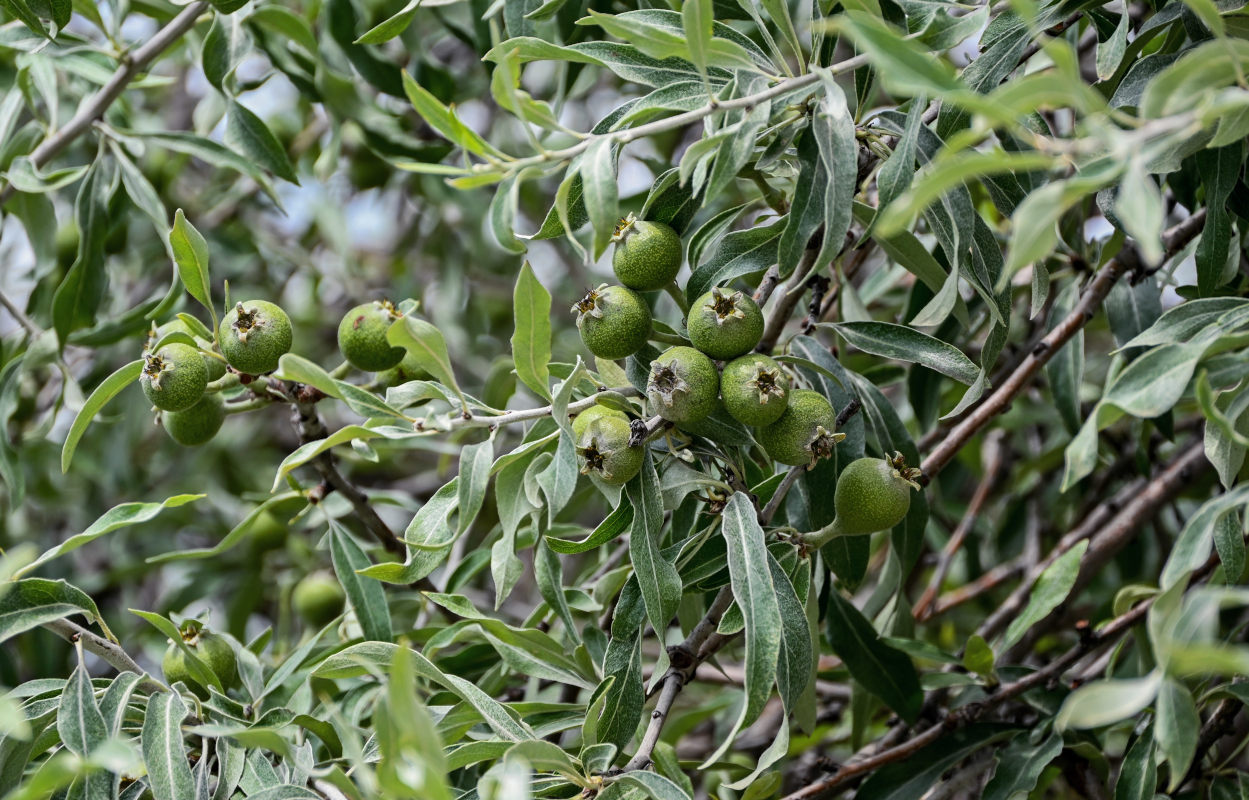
{"type": "Point", "coordinates": [267, 532]}
{"type": "Point", "coordinates": [603, 450]}
{"type": "Point", "coordinates": [582, 421]}
{"type": "Point", "coordinates": [195, 425]}
{"type": "Point", "coordinates": [210, 650]}
{"type": "Point", "coordinates": [683, 385]}
{"type": "Point", "coordinates": [724, 323]}
{"type": "Point", "coordinates": [873, 494]}
{"type": "Point", "coordinates": [648, 254]}
{"type": "Point", "coordinates": [318, 598]}
{"type": "Point", "coordinates": [614, 321]}
{"type": "Point", "coordinates": [254, 335]}
{"type": "Point", "coordinates": [67, 237]}
{"type": "Point", "coordinates": [216, 367]}
{"type": "Point", "coordinates": [804, 433]}
{"type": "Point", "coordinates": [755, 389]}
{"type": "Point", "coordinates": [174, 377]}
{"type": "Point", "coordinates": [362, 337]}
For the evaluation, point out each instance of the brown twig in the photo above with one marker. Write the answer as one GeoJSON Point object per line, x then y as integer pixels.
{"type": "Point", "coordinates": [994, 450]}
{"type": "Point", "coordinates": [110, 652]}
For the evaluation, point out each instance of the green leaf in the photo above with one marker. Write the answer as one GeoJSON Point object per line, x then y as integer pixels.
{"type": "Point", "coordinates": [1138, 777]}
{"type": "Point", "coordinates": [475, 462]}
{"type": "Point", "coordinates": [653, 785]}
{"type": "Point", "coordinates": [598, 189]}
{"type": "Point", "coordinates": [366, 596]}
{"type": "Point", "coordinates": [1196, 540]}
{"type": "Point", "coordinates": [531, 341]}
{"type": "Point", "coordinates": [164, 754]}
{"type": "Point", "coordinates": [1020, 764]}
{"type": "Point", "coordinates": [426, 344]}
{"type": "Point", "coordinates": [697, 18]}
{"type": "Point", "coordinates": [79, 721]}
{"type": "Point", "coordinates": [1177, 727]}
{"type": "Point", "coordinates": [616, 523]}
{"type": "Point", "coordinates": [903, 343]}
{"type": "Point", "coordinates": [206, 150]}
{"type": "Point", "coordinates": [1050, 590]}
{"type": "Point", "coordinates": [445, 121]}
{"type": "Point", "coordinates": [736, 254]}
{"type": "Point", "coordinates": [882, 670]}
{"type": "Point", "coordinates": [657, 577]}
{"type": "Point", "coordinates": [31, 602]}
{"type": "Point", "coordinates": [78, 297]}
{"type": "Point", "coordinates": [388, 29]}
{"type": "Point", "coordinates": [119, 516]}
{"type": "Point", "coordinates": [249, 134]}
{"type": "Point", "coordinates": [99, 397]}
{"type": "Point", "coordinates": [1107, 701]}
{"type": "Point", "coordinates": [237, 534]}
{"type": "Point", "coordinates": [903, 67]}
{"type": "Point", "coordinates": [190, 255]}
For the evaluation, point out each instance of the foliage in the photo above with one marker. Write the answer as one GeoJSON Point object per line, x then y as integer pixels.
{"type": "Point", "coordinates": [1005, 242]}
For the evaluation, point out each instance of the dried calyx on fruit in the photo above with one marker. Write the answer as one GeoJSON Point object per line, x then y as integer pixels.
{"type": "Point", "coordinates": [873, 494]}
{"type": "Point", "coordinates": [174, 377]}
{"type": "Point", "coordinates": [209, 650]}
{"type": "Point", "coordinates": [804, 433]}
{"type": "Point", "coordinates": [215, 366]}
{"type": "Point", "coordinates": [755, 389]}
{"type": "Point", "coordinates": [603, 449]}
{"type": "Point", "coordinates": [647, 255]}
{"type": "Point", "coordinates": [614, 321]}
{"type": "Point", "coordinates": [724, 323]}
{"type": "Point", "coordinates": [254, 335]}
{"type": "Point", "coordinates": [362, 336]}
{"type": "Point", "coordinates": [683, 386]}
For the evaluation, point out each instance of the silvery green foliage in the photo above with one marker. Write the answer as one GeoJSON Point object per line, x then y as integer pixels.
{"type": "Point", "coordinates": [950, 211]}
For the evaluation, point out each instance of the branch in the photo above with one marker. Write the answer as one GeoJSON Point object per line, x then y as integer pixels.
{"type": "Point", "coordinates": [93, 109]}
{"type": "Point", "coordinates": [1069, 326]}
{"type": "Point", "coordinates": [108, 651]}
{"type": "Point", "coordinates": [1110, 527]}
{"type": "Point", "coordinates": [685, 658]}
{"type": "Point", "coordinates": [681, 120]}
{"type": "Point", "coordinates": [524, 415]}
{"type": "Point", "coordinates": [994, 460]}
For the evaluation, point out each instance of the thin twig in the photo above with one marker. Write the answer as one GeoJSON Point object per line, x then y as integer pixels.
{"type": "Point", "coordinates": [19, 315]}
{"type": "Point", "coordinates": [524, 415]}
{"type": "Point", "coordinates": [993, 461]}
{"type": "Point", "coordinates": [110, 652]}
{"type": "Point", "coordinates": [93, 109]}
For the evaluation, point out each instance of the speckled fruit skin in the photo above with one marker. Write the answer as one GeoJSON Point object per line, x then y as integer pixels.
{"type": "Point", "coordinates": [318, 598]}
{"type": "Point", "coordinates": [870, 496]}
{"type": "Point", "coordinates": [647, 255]}
{"type": "Point", "coordinates": [216, 367]}
{"type": "Point", "coordinates": [614, 321]}
{"type": "Point", "coordinates": [724, 323]}
{"type": "Point", "coordinates": [684, 385]}
{"type": "Point", "coordinates": [603, 450]}
{"type": "Point", "coordinates": [362, 337]}
{"type": "Point", "coordinates": [174, 377]}
{"type": "Point", "coordinates": [195, 425]}
{"type": "Point", "coordinates": [755, 389]}
{"type": "Point", "coordinates": [212, 650]}
{"type": "Point", "coordinates": [788, 440]}
{"type": "Point", "coordinates": [409, 369]}
{"type": "Point", "coordinates": [254, 335]}
{"type": "Point", "coordinates": [583, 420]}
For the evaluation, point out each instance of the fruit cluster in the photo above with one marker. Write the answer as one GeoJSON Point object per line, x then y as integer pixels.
{"type": "Point", "coordinates": [685, 384]}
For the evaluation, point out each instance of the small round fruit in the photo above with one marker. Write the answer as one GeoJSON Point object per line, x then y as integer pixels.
{"type": "Point", "coordinates": [362, 337]}
{"type": "Point", "coordinates": [683, 385]}
{"type": "Point", "coordinates": [614, 321]}
{"type": "Point", "coordinates": [873, 494]}
{"type": "Point", "coordinates": [648, 254]}
{"type": "Point", "coordinates": [216, 367]}
{"type": "Point", "coordinates": [804, 433]}
{"type": "Point", "coordinates": [755, 389]}
{"type": "Point", "coordinates": [582, 421]}
{"type": "Point", "coordinates": [725, 323]}
{"type": "Point", "coordinates": [267, 532]}
{"type": "Point", "coordinates": [318, 598]}
{"type": "Point", "coordinates": [210, 650]}
{"type": "Point", "coordinates": [409, 369]}
{"type": "Point", "coordinates": [254, 335]}
{"type": "Point", "coordinates": [195, 425]}
{"type": "Point", "coordinates": [603, 450]}
{"type": "Point", "coordinates": [174, 377]}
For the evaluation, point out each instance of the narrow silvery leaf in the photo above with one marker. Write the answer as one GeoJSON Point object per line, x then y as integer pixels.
{"type": "Point", "coordinates": [598, 179]}
{"type": "Point", "coordinates": [531, 341]}
{"type": "Point", "coordinates": [1051, 589]}
{"type": "Point", "coordinates": [657, 577]}
{"type": "Point", "coordinates": [366, 596]}
{"type": "Point", "coordinates": [164, 753]}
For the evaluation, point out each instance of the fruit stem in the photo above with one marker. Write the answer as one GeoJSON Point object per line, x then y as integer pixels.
{"type": "Point", "coordinates": [678, 297]}
{"type": "Point", "coordinates": [227, 381]}
{"type": "Point", "coordinates": [667, 338]}
{"type": "Point", "coordinates": [247, 405]}
{"type": "Point", "coordinates": [817, 539]}
{"type": "Point", "coordinates": [341, 370]}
